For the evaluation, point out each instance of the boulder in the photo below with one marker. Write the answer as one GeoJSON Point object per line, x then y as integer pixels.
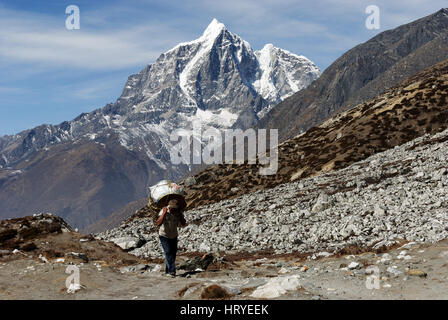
{"type": "Point", "coordinates": [277, 287]}
{"type": "Point", "coordinates": [197, 263]}
{"type": "Point", "coordinates": [129, 243]}
{"type": "Point", "coordinates": [322, 203]}
{"type": "Point", "coordinates": [190, 181]}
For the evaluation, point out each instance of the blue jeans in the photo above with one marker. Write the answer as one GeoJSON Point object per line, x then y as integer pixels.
{"type": "Point", "coordinates": [170, 249]}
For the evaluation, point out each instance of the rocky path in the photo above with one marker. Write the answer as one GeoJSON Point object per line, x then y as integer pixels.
{"type": "Point", "coordinates": [415, 271]}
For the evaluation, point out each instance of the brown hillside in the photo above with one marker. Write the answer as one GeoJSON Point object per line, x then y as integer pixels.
{"type": "Point", "coordinates": [362, 73]}
{"type": "Point", "coordinates": [417, 106]}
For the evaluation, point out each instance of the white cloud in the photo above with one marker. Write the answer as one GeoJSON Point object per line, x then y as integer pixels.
{"type": "Point", "coordinates": [42, 40]}
{"type": "Point", "coordinates": [89, 90]}
{"type": "Point", "coordinates": [39, 39]}
{"type": "Point", "coordinates": [12, 90]}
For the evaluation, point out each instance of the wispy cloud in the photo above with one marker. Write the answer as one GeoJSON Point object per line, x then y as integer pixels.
{"type": "Point", "coordinates": [119, 36]}
{"type": "Point", "coordinates": [52, 74]}
{"type": "Point", "coordinates": [88, 90]}
{"type": "Point", "coordinates": [39, 39]}
{"type": "Point", "coordinates": [13, 90]}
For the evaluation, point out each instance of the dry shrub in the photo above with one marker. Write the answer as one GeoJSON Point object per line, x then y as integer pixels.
{"type": "Point", "coordinates": [215, 292]}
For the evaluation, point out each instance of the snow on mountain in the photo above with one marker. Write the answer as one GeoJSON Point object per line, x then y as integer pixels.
{"type": "Point", "coordinates": [282, 73]}
{"type": "Point", "coordinates": [205, 43]}
{"type": "Point", "coordinates": [216, 79]}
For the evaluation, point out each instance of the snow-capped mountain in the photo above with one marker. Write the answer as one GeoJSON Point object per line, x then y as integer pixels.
{"type": "Point", "coordinates": [217, 79]}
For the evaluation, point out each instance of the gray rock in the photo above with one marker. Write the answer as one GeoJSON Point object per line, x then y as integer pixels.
{"type": "Point", "coordinates": [135, 268]}
{"type": "Point", "coordinates": [128, 243]}
{"type": "Point", "coordinates": [81, 256]}
{"type": "Point", "coordinates": [354, 265]}
{"type": "Point", "coordinates": [379, 211]}
{"type": "Point", "coordinates": [393, 271]}
{"type": "Point", "coordinates": [322, 203]}
{"type": "Point", "coordinates": [204, 248]}
{"type": "Point", "coordinates": [190, 181]}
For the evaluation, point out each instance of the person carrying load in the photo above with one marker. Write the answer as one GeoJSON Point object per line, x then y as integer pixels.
{"type": "Point", "coordinates": [169, 197]}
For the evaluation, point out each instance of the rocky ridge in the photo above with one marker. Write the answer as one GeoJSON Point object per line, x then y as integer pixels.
{"type": "Point", "coordinates": [48, 239]}
{"type": "Point", "coordinates": [362, 73]}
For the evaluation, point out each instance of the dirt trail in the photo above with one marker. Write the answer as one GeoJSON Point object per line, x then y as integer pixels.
{"type": "Point", "coordinates": [401, 276]}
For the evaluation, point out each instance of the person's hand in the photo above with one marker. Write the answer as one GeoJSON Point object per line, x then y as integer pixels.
{"type": "Point", "coordinates": [160, 219]}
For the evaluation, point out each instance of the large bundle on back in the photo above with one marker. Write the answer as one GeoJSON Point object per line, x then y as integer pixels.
{"type": "Point", "coordinates": [162, 193]}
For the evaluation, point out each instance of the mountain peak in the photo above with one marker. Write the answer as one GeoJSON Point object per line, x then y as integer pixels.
{"type": "Point", "coordinates": [443, 11]}
{"type": "Point", "coordinates": [214, 29]}
{"type": "Point", "coordinates": [442, 14]}
{"type": "Point", "coordinates": [268, 47]}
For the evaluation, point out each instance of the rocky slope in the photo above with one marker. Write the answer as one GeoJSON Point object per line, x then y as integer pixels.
{"type": "Point", "coordinates": [49, 239]}
{"type": "Point", "coordinates": [416, 106]}
{"type": "Point", "coordinates": [396, 195]}
{"type": "Point", "coordinates": [364, 72]}
{"type": "Point", "coordinates": [102, 160]}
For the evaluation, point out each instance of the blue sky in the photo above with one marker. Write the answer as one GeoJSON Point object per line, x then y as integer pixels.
{"type": "Point", "coordinates": [50, 74]}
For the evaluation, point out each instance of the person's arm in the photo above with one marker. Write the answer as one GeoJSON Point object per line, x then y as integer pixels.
{"type": "Point", "coordinates": [161, 217]}
{"type": "Point", "coordinates": [183, 222]}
